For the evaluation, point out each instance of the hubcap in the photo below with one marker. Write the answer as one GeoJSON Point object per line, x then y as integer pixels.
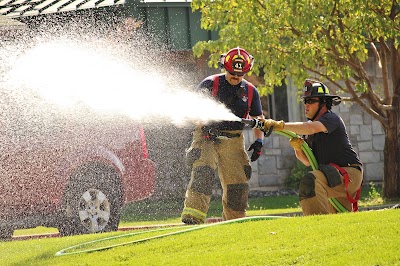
{"type": "Point", "coordinates": [94, 210]}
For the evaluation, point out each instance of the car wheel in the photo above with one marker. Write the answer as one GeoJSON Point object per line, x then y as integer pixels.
{"type": "Point", "coordinates": [92, 201]}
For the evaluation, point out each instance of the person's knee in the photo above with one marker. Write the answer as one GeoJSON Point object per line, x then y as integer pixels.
{"type": "Point", "coordinates": [307, 186]}
{"type": "Point", "coordinates": [192, 155]}
{"type": "Point", "coordinates": [202, 180]}
{"type": "Point", "coordinates": [237, 195]}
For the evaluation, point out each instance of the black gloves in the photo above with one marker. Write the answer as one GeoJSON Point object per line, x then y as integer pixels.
{"type": "Point", "coordinates": [256, 146]}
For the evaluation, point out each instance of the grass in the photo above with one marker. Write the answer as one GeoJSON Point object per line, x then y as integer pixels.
{"type": "Point", "coordinates": [167, 211]}
{"type": "Point", "coordinates": [363, 238]}
{"type": "Point", "coordinates": [170, 210]}
{"type": "Point", "coordinates": [164, 211]}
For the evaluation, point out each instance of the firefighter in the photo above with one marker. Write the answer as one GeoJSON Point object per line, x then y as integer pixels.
{"type": "Point", "coordinates": [340, 171]}
{"type": "Point", "coordinates": [221, 146]}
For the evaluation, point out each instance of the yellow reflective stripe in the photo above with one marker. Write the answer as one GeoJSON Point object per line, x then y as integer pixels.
{"type": "Point", "coordinates": [323, 90]}
{"type": "Point", "coordinates": [195, 213]}
{"type": "Point", "coordinates": [337, 205]}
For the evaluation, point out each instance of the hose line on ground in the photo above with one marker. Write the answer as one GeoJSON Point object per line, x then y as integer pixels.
{"type": "Point", "coordinates": [80, 247]}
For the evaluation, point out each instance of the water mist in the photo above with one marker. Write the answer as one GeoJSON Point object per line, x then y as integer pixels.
{"type": "Point", "coordinates": [70, 72]}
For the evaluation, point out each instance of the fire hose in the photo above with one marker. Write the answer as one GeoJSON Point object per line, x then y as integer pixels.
{"type": "Point", "coordinates": [87, 246]}
{"type": "Point", "coordinates": [255, 123]}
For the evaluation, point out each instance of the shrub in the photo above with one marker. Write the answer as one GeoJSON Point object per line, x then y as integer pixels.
{"type": "Point", "coordinates": [297, 172]}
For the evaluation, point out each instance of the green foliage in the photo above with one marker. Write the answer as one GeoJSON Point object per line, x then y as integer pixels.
{"type": "Point", "coordinates": [293, 38]}
{"type": "Point", "coordinates": [297, 172]}
{"type": "Point", "coordinates": [374, 196]}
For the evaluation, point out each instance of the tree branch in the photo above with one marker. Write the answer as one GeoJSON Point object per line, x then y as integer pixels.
{"type": "Point", "coordinates": [261, 4]}
{"type": "Point", "coordinates": [369, 110]}
{"type": "Point", "coordinates": [385, 72]}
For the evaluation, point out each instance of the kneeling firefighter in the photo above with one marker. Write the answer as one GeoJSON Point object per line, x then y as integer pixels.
{"type": "Point", "coordinates": [340, 171]}
{"type": "Point", "coordinates": [221, 145]}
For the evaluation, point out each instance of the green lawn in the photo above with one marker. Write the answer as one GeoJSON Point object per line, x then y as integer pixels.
{"type": "Point", "coordinates": [363, 238]}
{"type": "Point", "coordinates": [167, 211]}
{"type": "Point", "coordinates": [164, 211]}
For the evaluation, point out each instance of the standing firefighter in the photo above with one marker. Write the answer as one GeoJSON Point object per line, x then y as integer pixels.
{"type": "Point", "coordinates": [222, 144]}
{"type": "Point", "coordinates": [337, 183]}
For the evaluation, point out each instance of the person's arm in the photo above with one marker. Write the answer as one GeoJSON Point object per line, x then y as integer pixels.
{"type": "Point", "coordinates": [301, 156]}
{"type": "Point", "coordinates": [305, 128]}
{"type": "Point", "coordinates": [258, 134]}
{"type": "Point", "coordinates": [297, 144]}
{"type": "Point", "coordinates": [258, 143]}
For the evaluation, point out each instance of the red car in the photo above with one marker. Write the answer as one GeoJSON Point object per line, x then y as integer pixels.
{"type": "Point", "coordinates": [73, 170]}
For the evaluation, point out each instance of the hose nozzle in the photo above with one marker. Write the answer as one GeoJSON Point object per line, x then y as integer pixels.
{"type": "Point", "coordinates": [255, 123]}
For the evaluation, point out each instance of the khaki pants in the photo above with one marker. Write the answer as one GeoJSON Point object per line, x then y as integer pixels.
{"type": "Point", "coordinates": [319, 204]}
{"type": "Point", "coordinates": [234, 171]}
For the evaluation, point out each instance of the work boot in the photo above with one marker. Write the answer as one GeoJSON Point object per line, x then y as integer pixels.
{"type": "Point", "coordinates": [188, 219]}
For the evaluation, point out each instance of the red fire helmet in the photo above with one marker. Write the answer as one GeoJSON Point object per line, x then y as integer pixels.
{"type": "Point", "coordinates": [237, 61]}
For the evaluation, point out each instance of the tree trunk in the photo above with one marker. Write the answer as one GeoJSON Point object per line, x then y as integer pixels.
{"type": "Point", "coordinates": [391, 181]}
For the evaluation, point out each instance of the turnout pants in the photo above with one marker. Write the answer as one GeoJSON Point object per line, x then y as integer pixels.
{"type": "Point", "coordinates": [317, 200]}
{"type": "Point", "coordinates": [234, 171]}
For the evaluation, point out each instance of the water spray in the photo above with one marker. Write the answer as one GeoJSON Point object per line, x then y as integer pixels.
{"type": "Point", "coordinates": [74, 73]}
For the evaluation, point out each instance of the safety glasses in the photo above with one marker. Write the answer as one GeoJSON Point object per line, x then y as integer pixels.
{"type": "Point", "coordinates": [236, 74]}
{"type": "Point", "coordinates": [310, 101]}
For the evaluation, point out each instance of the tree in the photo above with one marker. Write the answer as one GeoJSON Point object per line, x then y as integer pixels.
{"type": "Point", "coordinates": [330, 39]}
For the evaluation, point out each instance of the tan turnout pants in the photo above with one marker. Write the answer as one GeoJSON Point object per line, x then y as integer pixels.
{"type": "Point", "coordinates": [319, 204]}
{"type": "Point", "coordinates": [234, 171]}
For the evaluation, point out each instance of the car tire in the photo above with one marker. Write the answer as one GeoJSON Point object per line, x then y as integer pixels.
{"type": "Point", "coordinates": [92, 201]}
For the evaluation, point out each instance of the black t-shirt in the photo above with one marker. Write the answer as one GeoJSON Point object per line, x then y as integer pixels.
{"type": "Point", "coordinates": [234, 100]}
{"type": "Point", "coordinates": [333, 146]}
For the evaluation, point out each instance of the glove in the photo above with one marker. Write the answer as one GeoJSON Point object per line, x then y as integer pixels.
{"type": "Point", "coordinates": [268, 123]}
{"type": "Point", "coordinates": [296, 143]}
{"type": "Point", "coordinates": [256, 146]}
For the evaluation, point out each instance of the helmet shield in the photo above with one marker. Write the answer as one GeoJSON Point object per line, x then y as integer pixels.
{"type": "Point", "coordinates": [318, 89]}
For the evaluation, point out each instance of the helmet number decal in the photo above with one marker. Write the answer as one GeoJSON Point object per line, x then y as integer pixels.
{"type": "Point", "coordinates": [238, 64]}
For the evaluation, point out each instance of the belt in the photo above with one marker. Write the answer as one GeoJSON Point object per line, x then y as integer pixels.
{"type": "Point", "coordinates": [228, 135]}
{"type": "Point", "coordinates": [355, 166]}
{"type": "Point", "coordinates": [212, 133]}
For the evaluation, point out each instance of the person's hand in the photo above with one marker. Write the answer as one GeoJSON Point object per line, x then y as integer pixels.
{"type": "Point", "coordinates": [256, 147]}
{"type": "Point", "coordinates": [268, 123]}
{"type": "Point", "coordinates": [297, 143]}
